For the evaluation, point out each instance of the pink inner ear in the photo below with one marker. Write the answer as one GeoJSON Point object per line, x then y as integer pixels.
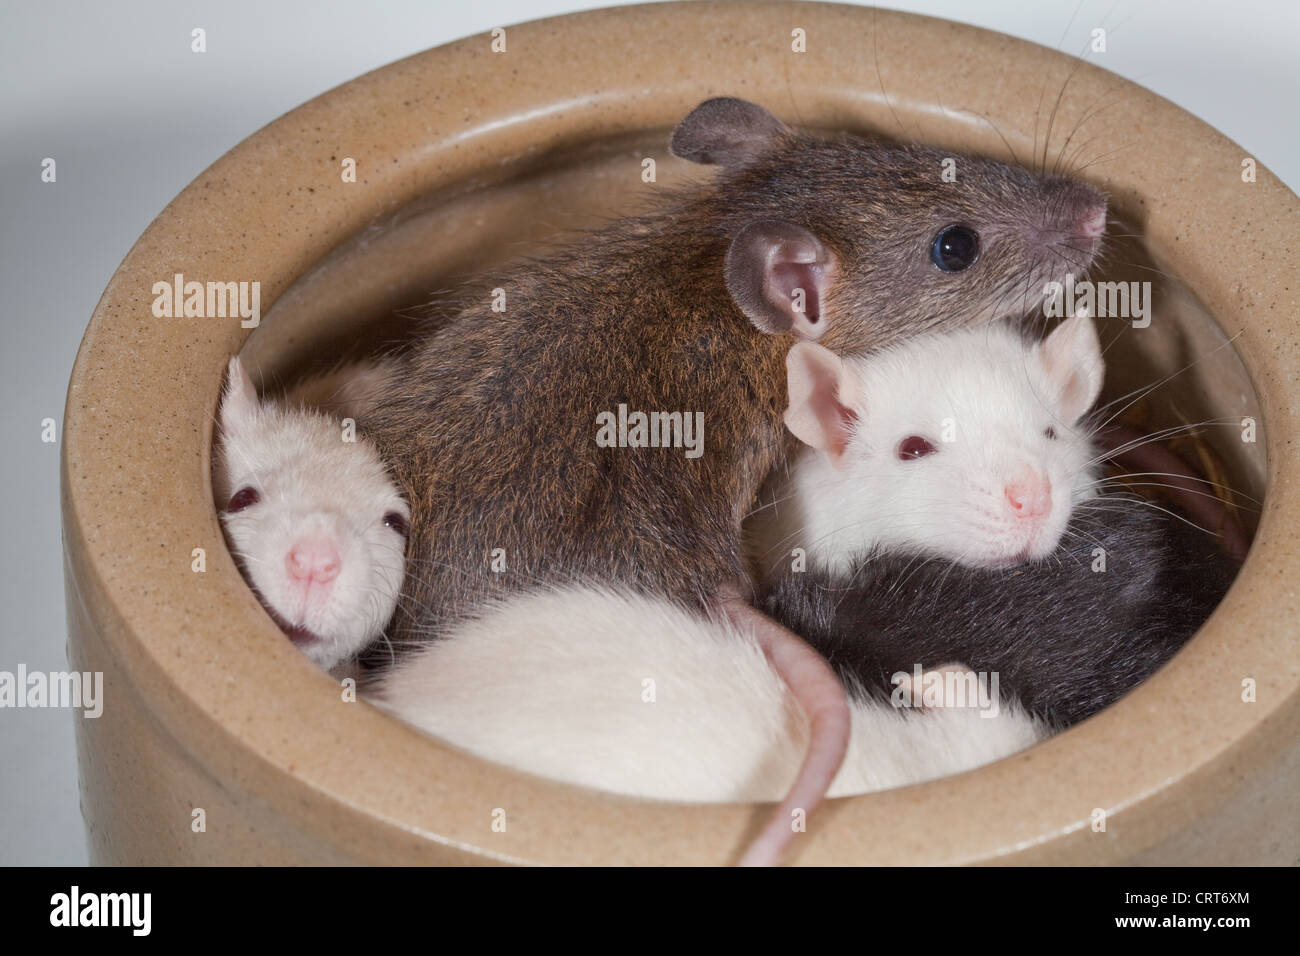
{"type": "Point", "coordinates": [786, 277]}
{"type": "Point", "coordinates": [844, 418]}
{"type": "Point", "coordinates": [818, 415]}
{"type": "Point", "coordinates": [1074, 397]}
{"type": "Point", "coordinates": [1072, 360]}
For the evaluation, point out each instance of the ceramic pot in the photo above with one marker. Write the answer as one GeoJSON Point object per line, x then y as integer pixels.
{"type": "Point", "coordinates": [465, 156]}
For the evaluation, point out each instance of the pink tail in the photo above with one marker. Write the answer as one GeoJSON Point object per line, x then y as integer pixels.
{"type": "Point", "coordinates": [821, 696]}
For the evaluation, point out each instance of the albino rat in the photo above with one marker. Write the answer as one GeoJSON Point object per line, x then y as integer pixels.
{"type": "Point", "coordinates": [633, 695]}
{"type": "Point", "coordinates": [314, 521]}
{"type": "Point", "coordinates": [493, 434]}
{"type": "Point", "coordinates": [966, 446]}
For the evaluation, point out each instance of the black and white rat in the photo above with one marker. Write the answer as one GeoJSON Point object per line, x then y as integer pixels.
{"type": "Point", "coordinates": [990, 549]}
{"type": "Point", "coordinates": [1067, 636]}
{"type": "Point", "coordinates": [314, 521]}
{"type": "Point", "coordinates": [690, 309]}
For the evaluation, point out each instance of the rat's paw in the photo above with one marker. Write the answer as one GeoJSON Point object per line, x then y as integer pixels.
{"type": "Point", "coordinates": [946, 686]}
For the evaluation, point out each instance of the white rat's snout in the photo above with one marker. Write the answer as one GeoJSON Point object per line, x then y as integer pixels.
{"type": "Point", "coordinates": [1023, 518]}
{"type": "Point", "coordinates": [324, 559]}
{"type": "Point", "coordinates": [1040, 501]}
{"type": "Point", "coordinates": [1028, 495]}
{"type": "Point", "coordinates": [314, 581]}
{"type": "Point", "coordinates": [313, 559]}
{"type": "Point", "coordinates": [314, 552]}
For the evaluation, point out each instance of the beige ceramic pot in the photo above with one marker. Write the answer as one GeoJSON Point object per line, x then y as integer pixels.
{"type": "Point", "coordinates": [465, 156]}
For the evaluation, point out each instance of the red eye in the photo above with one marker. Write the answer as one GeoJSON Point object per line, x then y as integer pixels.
{"type": "Point", "coordinates": [396, 522]}
{"type": "Point", "coordinates": [242, 498]}
{"type": "Point", "coordinates": [913, 447]}
{"type": "Point", "coordinates": [1049, 431]}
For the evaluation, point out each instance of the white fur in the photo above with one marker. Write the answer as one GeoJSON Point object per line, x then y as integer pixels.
{"type": "Point", "coordinates": [555, 683]}
{"type": "Point", "coordinates": [997, 395]}
{"type": "Point", "coordinates": [310, 481]}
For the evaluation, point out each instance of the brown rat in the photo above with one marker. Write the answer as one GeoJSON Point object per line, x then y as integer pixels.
{"type": "Point", "coordinates": [691, 309]}
{"type": "Point", "coordinates": [492, 432]}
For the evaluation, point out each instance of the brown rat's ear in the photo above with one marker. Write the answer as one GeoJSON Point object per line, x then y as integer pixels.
{"type": "Point", "coordinates": [727, 131]}
{"type": "Point", "coordinates": [1072, 362]}
{"type": "Point", "coordinates": [239, 403]}
{"type": "Point", "coordinates": [823, 399]}
{"type": "Point", "coordinates": [780, 274]}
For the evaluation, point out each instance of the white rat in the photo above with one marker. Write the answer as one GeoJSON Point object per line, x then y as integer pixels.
{"type": "Point", "coordinates": [966, 446]}
{"type": "Point", "coordinates": [631, 694]}
{"type": "Point", "coordinates": [314, 521]}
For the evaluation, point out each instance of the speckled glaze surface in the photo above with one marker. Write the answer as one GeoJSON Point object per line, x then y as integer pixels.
{"type": "Point", "coordinates": [208, 707]}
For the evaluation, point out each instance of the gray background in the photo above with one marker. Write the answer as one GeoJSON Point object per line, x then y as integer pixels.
{"type": "Point", "coordinates": [113, 93]}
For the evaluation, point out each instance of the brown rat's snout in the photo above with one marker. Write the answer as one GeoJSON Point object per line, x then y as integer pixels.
{"type": "Point", "coordinates": [1089, 219]}
{"type": "Point", "coordinates": [1075, 222]}
{"type": "Point", "coordinates": [1093, 224]}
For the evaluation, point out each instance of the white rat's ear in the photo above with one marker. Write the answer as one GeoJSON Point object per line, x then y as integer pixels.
{"type": "Point", "coordinates": [780, 274]}
{"type": "Point", "coordinates": [1072, 362]}
{"type": "Point", "coordinates": [239, 403]}
{"type": "Point", "coordinates": [822, 396]}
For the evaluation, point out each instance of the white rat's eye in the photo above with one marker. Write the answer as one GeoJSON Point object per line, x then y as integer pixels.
{"type": "Point", "coordinates": [1049, 432]}
{"type": "Point", "coordinates": [243, 498]}
{"type": "Point", "coordinates": [395, 521]}
{"type": "Point", "coordinates": [913, 447]}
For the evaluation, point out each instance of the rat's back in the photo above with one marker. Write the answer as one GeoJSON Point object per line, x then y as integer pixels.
{"type": "Point", "coordinates": [631, 694]}
{"type": "Point", "coordinates": [1068, 636]}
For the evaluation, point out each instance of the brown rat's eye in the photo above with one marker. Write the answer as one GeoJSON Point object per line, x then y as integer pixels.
{"type": "Point", "coordinates": [955, 248]}
{"type": "Point", "coordinates": [395, 521]}
{"type": "Point", "coordinates": [1049, 431]}
{"type": "Point", "coordinates": [913, 447]}
{"type": "Point", "coordinates": [242, 499]}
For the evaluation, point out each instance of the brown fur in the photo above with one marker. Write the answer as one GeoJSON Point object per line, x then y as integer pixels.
{"type": "Point", "coordinates": [492, 431]}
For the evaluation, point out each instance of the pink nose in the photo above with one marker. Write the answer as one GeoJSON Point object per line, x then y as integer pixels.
{"type": "Point", "coordinates": [313, 559]}
{"type": "Point", "coordinates": [1030, 496]}
{"type": "Point", "coordinates": [1093, 224]}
